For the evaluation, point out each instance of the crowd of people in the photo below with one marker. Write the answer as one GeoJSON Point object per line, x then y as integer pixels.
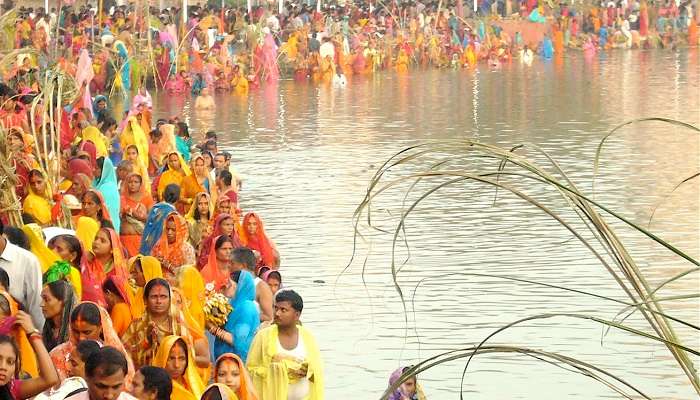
{"type": "Point", "coordinates": [235, 49]}
{"type": "Point", "coordinates": [127, 265]}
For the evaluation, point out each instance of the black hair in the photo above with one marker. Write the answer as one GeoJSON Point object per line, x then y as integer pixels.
{"type": "Point", "coordinates": [235, 276]}
{"type": "Point", "coordinates": [221, 240]}
{"type": "Point", "coordinates": [73, 246]}
{"type": "Point", "coordinates": [4, 279]}
{"type": "Point", "coordinates": [171, 194]}
{"type": "Point", "coordinates": [276, 275]}
{"type": "Point", "coordinates": [108, 360]}
{"type": "Point", "coordinates": [183, 129]}
{"type": "Point", "coordinates": [100, 164]}
{"type": "Point", "coordinates": [86, 348]}
{"type": "Point", "coordinates": [109, 286]}
{"type": "Point", "coordinates": [157, 380]}
{"type": "Point", "coordinates": [5, 392]}
{"type": "Point", "coordinates": [262, 270]}
{"type": "Point", "coordinates": [150, 285]}
{"type": "Point", "coordinates": [63, 291]}
{"type": "Point", "coordinates": [87, 312]}
{"type": "Point", "coordinates": [28, 218]}
{"type": "Point", "coordinates": [213, 393]}
{"type": "Point", "coordinates": [196, 215]}
{"type": "Point", "coordinates": [17, 237]}
{"type": "Point", "coordinates": [183, 345]}
{"type": "Point", "coordinates": [245, 256]}
{"type": "Point", "coordinates": [226, 177]}
{"type": "Point", "coordinates": [292, 297]}
{"type": "Point", "coordinates": [210, 135]}
{"type": "Point", "coordinates": [2, 224]}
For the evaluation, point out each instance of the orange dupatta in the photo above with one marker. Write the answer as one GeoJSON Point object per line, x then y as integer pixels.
{"type": "Point", "coordinates": [26, 352]}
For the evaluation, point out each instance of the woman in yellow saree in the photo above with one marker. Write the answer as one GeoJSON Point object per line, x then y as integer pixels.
{"type": "Point", "coordinates": [38, 201]}
{"type": "Point", "coordinates": [161, 319]}
{"type": "Point", "coordinates": [196, 182]}
{"type": "Point", "coordinates": [199, 219]}
{"type": "Point", "coordinates": [142, 269]}
{"type": "Point", "coordinates": [219, 391]}
{"type": "Point", "coordinates": [133, 154]}
{"type": "Point", "coordinates": [176, 357]}
{"type": "Point", "coordinates": [175, 173]}
{"type": "Point", "coordinates": [191, 285]}
{"type": "Point", "coordinates": [134, 134]}
{"type": "Point", "coordinates": [92, 134]}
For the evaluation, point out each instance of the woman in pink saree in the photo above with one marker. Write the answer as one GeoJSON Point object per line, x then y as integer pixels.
{"type": "Point", "coordinates": [271, 71]}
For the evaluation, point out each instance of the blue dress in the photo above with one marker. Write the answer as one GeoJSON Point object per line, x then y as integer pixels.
{"type": "Point", "coordinates": [242, 322]}
{"type": "Point", "coordinates": [107, 185]}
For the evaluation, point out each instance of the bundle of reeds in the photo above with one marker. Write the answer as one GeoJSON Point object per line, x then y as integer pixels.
{"type": "Point", "coordinates": [450, 163]}
{"type": "Point", "coordinates": [9, 203]}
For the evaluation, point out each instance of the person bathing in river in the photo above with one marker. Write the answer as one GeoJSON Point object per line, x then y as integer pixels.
{"type": "Point", "coordinates": [204, 101]}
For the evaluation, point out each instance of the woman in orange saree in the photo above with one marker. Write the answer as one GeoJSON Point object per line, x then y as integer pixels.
{"type": "Point", "coordinates": [217, 271]}
{"type": "Point", "coordinates": [88, 321]}
{"type": "Point", "coordinates": [255, 238]}
{"type": "Point", "coordinates": [105, 260]}
{"type": "Point", "coordinates": [135, 204]}
{"type": "Point", "coordinates": [230, 371]}
{"type": "Point", "coordinates": [8, 312]}
{"type": "Point", "coordinates": [118, 300]}
{"type": "Point", "coordinates": [172, 249]}
{"type": "Point", "coordinates": [196, 182]}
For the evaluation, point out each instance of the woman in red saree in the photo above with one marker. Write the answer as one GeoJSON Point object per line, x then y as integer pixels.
{"type": "Point", "coordinates": [105, 260]}
{"type": "Point", "coordinates": [20, 146]}
{"type": "Point", "coordinates": [216, 272]}
{"type": "Point", "coordinates": [223, 225]}
{"type": "Point", "coordinates": [172, 249]}
{"type": "Point", "coordinates": [254, 238]}
{"type": "Point", "coordinates": [135, 204]}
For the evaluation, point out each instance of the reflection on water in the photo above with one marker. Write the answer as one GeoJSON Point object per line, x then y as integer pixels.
{"type": "Point", "coordinates": [307, 152]}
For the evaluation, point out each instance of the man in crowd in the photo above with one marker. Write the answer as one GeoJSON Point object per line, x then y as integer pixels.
{"type": "Point", "coordinates": [243, 258]}
{"type": "Point", "coordinates": [105, 372]}
{"type": "Point", "coordinates": [25, 277]}
{"type": "Point", "coordinates": [288, 346]}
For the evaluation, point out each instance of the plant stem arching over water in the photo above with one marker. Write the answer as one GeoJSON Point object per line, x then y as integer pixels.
{"type": "Point", "coordinates": [450, 163]}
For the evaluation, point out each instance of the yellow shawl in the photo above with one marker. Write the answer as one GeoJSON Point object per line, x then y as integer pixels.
{"type": "Point", "coordinates": [270, 375]}
{"type": "Point", "coordinates": [48, 257]}
{"type": "Point", "coordinates": [133, 134]}
{"type": "Point", "coordinates": [94, 135]}
{"type": "Point", "coordinates": [151, 269]}
{"type": "Point", "coordinates": [195, 386]}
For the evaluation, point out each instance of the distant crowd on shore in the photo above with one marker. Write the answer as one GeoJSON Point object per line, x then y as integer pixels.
{"type": "Point", "coordinates": [235, 49]}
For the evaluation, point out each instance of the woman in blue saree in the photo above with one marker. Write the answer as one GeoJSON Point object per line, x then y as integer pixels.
{"type": "Point", "coordinates": [107, 185]}
{"type": "Point", "coordinates": [153, 230]}
{"type": "Point", "coordinates": [240, 328]}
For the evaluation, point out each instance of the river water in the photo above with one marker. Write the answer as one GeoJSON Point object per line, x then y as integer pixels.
{"type": "Point", "coordinates": [306, 154]}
